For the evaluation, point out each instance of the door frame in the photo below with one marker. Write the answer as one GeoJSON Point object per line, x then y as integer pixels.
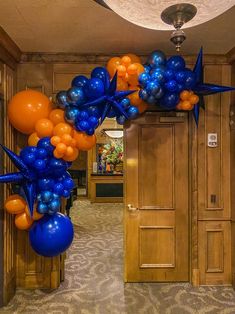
{"type": "Point", "coordinates": [192, 193]}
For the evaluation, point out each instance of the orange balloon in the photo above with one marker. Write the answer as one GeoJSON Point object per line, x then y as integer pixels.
{"type": "Point", "coordinates": [69, 151]}
{"type": "Point", "coordinates": [26, 108]}
{"type": "Point", "coordinates": [66, 139]}
{"type": "Point", "coordinates": [134, 58]}
{"type": "Point", "coordinates": [121, 85]}
{"type": "Point", "coordinates": [36, 215]}
{"type": "Point", "coordinates": [135, 98]}
{"type": "Point", "coordinates": [179, 106]}
{"type": "Point", "coordinates": [73, 143]}
{"type": "Point", "coordinates": [132, 69]}
{"type": "Point", "coordinates": [184, 95]}
{"type": "Point", "coordinates": [44, 127]}
{"type": "Point", "coordinates": [23, 221]}
{"type": "Point", "coordinates": [61, 148]}
{"type": "Point", "coordinates": [194, 99]}
{"type": "Point", "coordinates": [62, 128]}
{"type": "Point", "coordinates": [126, 61]}
{"type": "Point", "coordinates": [140, 68]}
{"type": "Point", "coordinates": [57, 116]}
{"type": "Point", "coordinates": [15, 204]}
{"type": "Point", "coordinates": [112, 65]}
{"type": "Point", "coordinates": [142, 107]}
{"type": "Point", "coordinates": [84, 141]}
{"type": "Point", "coordinates": [186, 105]}
{"type": "Point", "coordinates": [73, 156]}
{"type": "Point", "coordinates": [33, 139]}
{"type": "Point", "coordinates": [121, 70]}
{"type": "Point", "coordinates": [55, 140]}
{"type": "Point", "coordinates": [57, 154]}
{"type": "Point", "coordinates": [133, 79]}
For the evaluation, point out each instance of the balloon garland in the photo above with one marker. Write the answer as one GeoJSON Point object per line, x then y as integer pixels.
{"type": "Point", "coordinates": [123, 90]}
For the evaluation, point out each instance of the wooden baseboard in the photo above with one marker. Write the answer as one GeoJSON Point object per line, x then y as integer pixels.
{"type": "Point", "coordinates": [195, 278]}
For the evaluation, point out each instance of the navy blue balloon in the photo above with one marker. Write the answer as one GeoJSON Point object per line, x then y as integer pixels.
{"type": "Point", "coordinates": [180, 77]}
{"type": "Point", "coordinates": [132, 112]}
{"type": "Point", "coordinates": [57, 166]}
{"type": "Point", "coordinates": [61, 99]}
{"type": "Point", "coordinates": [180, 88]}
{"type": "Point", "coordinates": [94, 111]}
{"type": "Point", "coordinates": [93, 122]}
{"type": "Point", "coordinates": [45, 184]}
{"type": "Point", "coordinates": [176, 63]}
{"type": "Point", "coordinates": [76, 95]}
{"type": "Point", "coordinates": [83, 115]}
{"type": "Point", "coordinates": [169, 74]}
{"type": "Point", "coordinates": [41, 153]}
{"type": "Point", "coordinates": [71, 114]}
{"type": "Point", "coordinates": [121, 119]}
{"type": "Point", "coordinates": [151, 100]}
{"type": "Point", "coordinates": [94, 88]}
{"type": "Point", "coordinates": [101, 73]}
{"type": "Point", "coordinates": [40, 164]}
{"type": "Point", "coordinates": [51, 235]}
{"type": "Point", "coordinates": [190, 79]}
{"type": "Point", "coordinates": [144, 79]}
{"type": "Point", "coordinates": [157, 58]}
{"type": "Point", "coordinates": [83, 125]}
{"type": "Point", "coordinates": [66, 193]}
{"type": "Point", "coordinates": [42, 208]}
{"type": "Point", "coordinates": [79, 81]}
{"type": "Point", "coordinates": [90, 131]}
{"type": "Point", "coordinates": [159, 94]}
{"type": "Point", "coordinates": [169, 100]}
{"type": "Point", "coordinates": [45, 143]}
{"type": "Point", "coordinates": [111, 113]}
{"type": "Point", "coordinates": [125, 103]}
{"type": "Point", "coordinates": [68, 183]}
{"type": "Point", "coordinates": [28, 158]}
{"type": "Point", "coordinates": [152, 87]}
{"type": "Point", "coordinates": [171, 86]}
{"type": "Point", "coordinates": [58, 188]}
{"type": "Point", "coordinates": [143, 94]}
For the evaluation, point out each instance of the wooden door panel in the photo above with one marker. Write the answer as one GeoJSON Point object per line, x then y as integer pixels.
{"type": "Point", "coordinates": [156, 176]}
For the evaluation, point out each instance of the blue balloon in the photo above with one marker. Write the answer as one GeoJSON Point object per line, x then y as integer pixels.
{"type": "Point", "coordinates": [45, 184]}
{"type": "Point", "coordinates": [93, 122]}
{"type": "Point", "coordinates": [71, 114]}
{"type": "Point", "coordinates": [144, 78]}
{"type": "Point", "coordinates": [57, 166]}
{"type": "Point", "coordinates": [157, 58]}
{"type": "Point", "coordinates": [40, 164]}
{"type": "Point", "coordinates": [132, 112]}
{"type": "Point", "coordinates": [54, 206]}
{"type": "Point", "coordinates": [58, 188]}
{"type": "Point", "coordinates": [42, 208]}
{"type": "Point", "coordinates": [180, 88]}
{"type": "Point", "coordinates": [121, 119]}
{"type": "Point", "coordinates": [171, 86]}
{"type": "Point", "coordinates": [79, 81]}
{"type": "Point", "coordinates": [28, 158]}
{"type": "Point", "coordinates": [111, 113]}
{"type": "Point", "coordinates": [151, 100]}
{"type": "Point", "coordinates": [94, 88]}
{"type": "Point", "coordinates": [76, 95]}
{"type": "Point", "coordinates": [62, 100]}
{"type": "Point", "coordinates": [66, 193]}
{"type": "Point", "coordinates": [190, 79]}
{"type": "Point", "coordinates": [143, 94]}
{"type": "Point", "coordinates": [45, 143]}
{"type": "Point", "coordinates": [41, 153]}
{"type": "Point", "coordinates": [159, 94]}
{"type": "Point", "coordinates": [180, 77]}
{"type": "Point", "coordinates": [152, 87]}
{"type": "Point", "coordinates": [51, 235]}
{"type": "Point", "coordinates": [94, 111]}
{"type": "Point", "coordinates": [169, 74]}
{"type": "Point", "coordinates": [169, 100]}
{"type": "Point", "coordinates": [125, 103]}
{"type": "Point", "coordinates": [83, 115]}
{"type": "Point", "coordinates": [176, 63]}
{"type": "Point", "coordinates": [68, 183]}
{"type": "Point", "coordinates": [82, 125]}
{"type": "Point", "coordinates": [91, 131]}
{"type": "Point", "coordinates": [147, 68]}
{"type": "Point", "coordinates": [101, 73]}
{"type": "Point", "coordinates": [158, 75]}
{"type": "Point", "coordinates": [46, 196]}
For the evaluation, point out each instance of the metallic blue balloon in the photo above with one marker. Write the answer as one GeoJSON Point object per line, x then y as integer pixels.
{"type": "Point", "coordinates": [62, 100]}
{"type": "Point", "coordinates": [152, 88]}
{"type": "Point", "coordinates": [101, 73]}
{"type": "Point", "coordinates": [159, 94]}
{"type": "Point", "coordinates": [83, 125]}
{"type": "Point", "coordinates": [93, 122]}
{"type": "Point", "coordinates": [46, 196]}
{"type": "Point", "coordinates": [171, 86]}
{"type": "Point", "coordinates": [158, 74]}
{"type": "Point", "coordinates": [71, 114]}
{"type": "Point", "coordinates": [190, 79]}
{"type": "Point", "coordinates": [151, 100]}
{"type": "Point", "coordinates": [176, 63]}
{"type": "Point", "coordinates": [45, 143]}
{"type": "Point", "coordinates": [169, 100]}
{"type": "Point", "coordinates": [94, 88]}
{"type": "Point", "coordinates": [42, 208]}
{"type": "Point", "coordinates": [58, 188]}
{"type": "Point", "coordinates": [76, 95]}
{"type": "Point", "coordinates": [169, 74]}
{"type": "Point", "coordinates": [121, 119]}
{"type": "Point", "coordinates": [143, 94]}
{"type": "Point", "coordinates": [125, 103]}
{"type": "Point", "coordinates": [79, 81]}
{"type": "Point", "coordinates": [144, 78]}
{"type": "Point", "coordinates": [51, 235]}
{"type": "Point", "coordinates": [90, 131]}
{"type": "Point", "coordinates": [180, 76]}
{"type": "Point", "coordinates": [45, 184]}
{"type": "Point", "coordinates": [157, 58]}
{"type": "Point", "coordinates": [54, 206]}
{"type": "Point", "coordinates": [83, 115]}
{"type": "Point", "coordinates": [132, 112]}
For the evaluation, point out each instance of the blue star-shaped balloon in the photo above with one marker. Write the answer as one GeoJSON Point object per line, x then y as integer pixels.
{"type": "Point", "coordinates": [25, 177]}
{"type": "Point", "coordinates": [111, 99]}
{"type": "Point", "coordinates": [204, 89]}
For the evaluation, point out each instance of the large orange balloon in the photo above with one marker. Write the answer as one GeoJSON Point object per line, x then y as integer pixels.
{"type": "Point", "coordinates": [112, 65]}
{"type": "Point", "coordinates": [84, 141]}
{"type": "Point", "coordinates": [26, 108]}
{"type": "Point", "coordinates": [62, 128]}
{"type": "Point", "coordinates": [57, 116]}
{"type": "Point", "coordinates": [15, 204]}
{"type": "Point", "coordinates": [33, 139]}
{"type": "Point", "coordinates": [23, 221]}
{"type": "Point", "coordinates": [44, 127]}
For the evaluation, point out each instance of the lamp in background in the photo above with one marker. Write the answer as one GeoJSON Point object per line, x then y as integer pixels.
{"type": "Point", "coordinates": [114, 133]}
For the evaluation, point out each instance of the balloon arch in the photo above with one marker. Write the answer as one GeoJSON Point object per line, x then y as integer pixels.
{"type": "Point", "coordinates": [122, 90]}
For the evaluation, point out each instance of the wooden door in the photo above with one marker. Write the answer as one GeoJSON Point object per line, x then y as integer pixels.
{"type": "Point", "coordinates": [156, 192]}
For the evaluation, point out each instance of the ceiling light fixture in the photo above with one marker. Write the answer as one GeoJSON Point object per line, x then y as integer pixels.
{"type": "Point", "coordinates": [114, 133]}
{"type": "Point", "coordinates": [177, 15]}
{"type": "Point", "coordinates": [101, 2]}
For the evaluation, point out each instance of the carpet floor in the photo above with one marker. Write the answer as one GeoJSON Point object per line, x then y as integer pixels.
{"type": "Point", "coordinates": [94, 277]}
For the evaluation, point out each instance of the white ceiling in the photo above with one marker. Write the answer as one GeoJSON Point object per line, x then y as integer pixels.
{"type": "Point", "coordinates": [82, 26]}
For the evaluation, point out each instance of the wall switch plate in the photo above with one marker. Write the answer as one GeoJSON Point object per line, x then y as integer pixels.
{"type": "Point", "coordinates": [212, 140]}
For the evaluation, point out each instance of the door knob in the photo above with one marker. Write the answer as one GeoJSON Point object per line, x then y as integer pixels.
{"type": "Point", "coordinates": [131, 208]}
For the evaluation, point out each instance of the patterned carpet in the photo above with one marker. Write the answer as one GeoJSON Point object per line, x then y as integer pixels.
{"type": "Point", "coordinates": [94, 283]}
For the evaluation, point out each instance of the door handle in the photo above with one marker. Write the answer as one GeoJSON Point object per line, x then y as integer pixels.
{"type": "Point", "coordinates": [131, 208]}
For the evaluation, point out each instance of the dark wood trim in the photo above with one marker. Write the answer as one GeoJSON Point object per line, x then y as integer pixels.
{"type": "Point", "coordinates": [1, 207]}
{"type": "Point", "coordinates": [10, 53]}
{"type": "Point", "coordinates": [231, 55]}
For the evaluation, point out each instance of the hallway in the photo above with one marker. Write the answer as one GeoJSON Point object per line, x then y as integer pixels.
{"type": "Point", "coordinates": [94, 284]}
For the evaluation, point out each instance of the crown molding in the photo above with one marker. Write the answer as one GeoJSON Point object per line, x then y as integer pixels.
{"type": "Point", "coordinates": [10, 53]}
{"type": "Point", "coordinates": [231, 55]}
